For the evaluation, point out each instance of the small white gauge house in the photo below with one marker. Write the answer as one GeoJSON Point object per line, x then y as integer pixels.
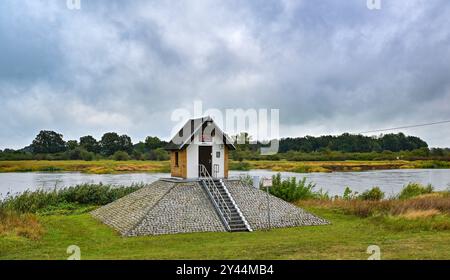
{"type": "Point", "coordinates": [200, 143]}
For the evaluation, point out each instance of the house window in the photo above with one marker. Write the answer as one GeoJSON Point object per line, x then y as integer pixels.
{"type": "Point", "coordinates": [217, 154]}
{"type": "Point", "coordinates": [176, 159]}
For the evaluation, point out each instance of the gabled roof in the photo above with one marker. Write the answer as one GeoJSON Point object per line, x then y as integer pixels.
{"type": "Point", "coordinates": [185, 135]}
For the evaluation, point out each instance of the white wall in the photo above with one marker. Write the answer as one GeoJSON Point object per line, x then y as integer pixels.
{"type": "Point", "coordinates": [219, 161]}
{"type": "Point", "coordinates": [192, 161]}
{"type": "Point", "coordinates": [192, 156]}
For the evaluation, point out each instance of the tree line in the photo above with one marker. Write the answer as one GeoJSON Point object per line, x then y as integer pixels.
{"type": "Point", "coordinates": [349, 143]}
{"type": "Point", "coordinates": [343, 147]}
{"type": "Point", "coordinates": [51, 145]}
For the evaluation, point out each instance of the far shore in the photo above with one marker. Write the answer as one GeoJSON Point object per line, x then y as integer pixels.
{"type": "Point", "coordinates": [111, 167]}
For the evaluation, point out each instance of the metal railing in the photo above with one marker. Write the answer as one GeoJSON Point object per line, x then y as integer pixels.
{"type": "Point", "coordinates": [217, 197]}
{"type": "Point", "coordinates": [216, 169]}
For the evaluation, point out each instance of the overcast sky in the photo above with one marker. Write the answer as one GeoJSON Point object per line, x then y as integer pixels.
{"type": "Point", "coordinates": [124, 66]}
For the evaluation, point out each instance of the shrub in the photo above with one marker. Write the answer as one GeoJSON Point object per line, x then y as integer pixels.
{"type": "Point", "coordinates": [373, 194]}
{"type": "Point", "coordinates": [86, 194]}
{"type": "Point", "coordinates": [349, 194]}
{"type": "Point", "coordinates": [291, 190]}
{"type": "Point", "coordinates": [435, 164]}
{"type": "Point", "coordinates": [74, 154]}
{"type": "Point", "coordinates": [87, 156]}
{"type": "Point", "coordinates": [158, 154]}
{"type": "Point", "coordinates": [415, 189]}
{"type": "Point", "coordinates": [246, 180]}
{"type": "Point", "coordinates": [241, 166]}
{"type": "Point", "coordinates": [121, 156]}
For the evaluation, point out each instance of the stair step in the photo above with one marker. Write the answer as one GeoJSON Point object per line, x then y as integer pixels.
{"type": "Point", "coordinates": [236, 224]}
{"type": "Point", "coordinates": [225, 205]}
{"type": "Point", "coordinates": [239, 229]}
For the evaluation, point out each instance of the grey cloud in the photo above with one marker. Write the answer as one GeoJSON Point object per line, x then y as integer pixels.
{"type": "Point", "coordinates": [329, 66]}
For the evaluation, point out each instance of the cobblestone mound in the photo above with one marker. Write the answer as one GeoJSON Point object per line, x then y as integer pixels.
{"type": "Point", "coordinates": [127, 212]}
{"type": "Point", "coordinates": [183, 207]}
{"type": "Point", "coordinates": [253, 204]}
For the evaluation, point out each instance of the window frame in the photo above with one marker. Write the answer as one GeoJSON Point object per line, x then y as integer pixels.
{"type": "Point", "coordinates": [177, 159]}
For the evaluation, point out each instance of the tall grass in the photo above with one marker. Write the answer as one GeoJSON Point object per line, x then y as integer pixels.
{"type": "Point", "coordinates": [83, 195]}
{"type": "Point", "coordinates": [393, 207]}
{"type": "Point", "coordinates": [17, 212]}
{"type": "Point", "coordinates": [24, 225]}
{"type": "Point", "coordinates": [416, 207]}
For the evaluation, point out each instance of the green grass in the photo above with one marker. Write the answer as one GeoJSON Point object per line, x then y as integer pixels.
{"type": "Point", "coordinates": [93, 167]}
{"type": "Point", "coordinates": [335, 166]}
{"type": "Point", "coordinates": [347, 238]}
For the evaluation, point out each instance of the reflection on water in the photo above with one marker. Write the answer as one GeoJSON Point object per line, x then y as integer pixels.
{"type": "Point", "coordinates": [390, 181]}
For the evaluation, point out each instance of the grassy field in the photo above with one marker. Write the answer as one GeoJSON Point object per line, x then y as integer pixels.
{"type": "Point", "coordinates": [347, 238]}
{"type": "Point", "coordinates": [415, 225]}
{"type": "Point", "coordinates": [94, 167]}
{"type": "Point", "coordinates": [110, 166]}
{"type": "Point", "coordinates": [332, 166]}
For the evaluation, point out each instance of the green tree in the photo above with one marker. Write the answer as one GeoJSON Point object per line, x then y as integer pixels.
{"type": "Point", "coordinates": [153, 143]}
{"type": "Point", "coordinates": [125, 144]}
{"type": "Point", "coordinates": [110, 143]}
{"type": "Point", "coordinates": [72, 144]}
{"type": "Point", "coordinates": [162, 154]}
{"type": "Point", "coordinates": [48, 142]}
{"type": "Point", "coordinates": [90, 144]}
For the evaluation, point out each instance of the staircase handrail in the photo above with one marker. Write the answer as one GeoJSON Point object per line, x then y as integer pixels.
{"type": "Point", "coordinates": [214, 191]}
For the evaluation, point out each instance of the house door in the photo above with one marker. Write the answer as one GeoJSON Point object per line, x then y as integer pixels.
{"type": "Point", "coordinates": [205, 157]}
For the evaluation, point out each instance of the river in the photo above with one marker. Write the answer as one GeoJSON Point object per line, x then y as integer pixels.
{"type": "Point", "coordinates": [390, 181]}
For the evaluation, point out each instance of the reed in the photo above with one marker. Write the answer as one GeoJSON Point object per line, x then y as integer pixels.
{"type": "Point", "coordinates": [22, 225]}
{"type": "Point", "coordinates": [80, 195]}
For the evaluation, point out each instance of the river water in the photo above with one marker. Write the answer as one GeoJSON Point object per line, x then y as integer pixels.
{"type": "Point", "coordinates": [390, 181]}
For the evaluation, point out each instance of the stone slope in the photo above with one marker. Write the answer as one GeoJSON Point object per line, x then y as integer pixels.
{"type": "Point", "coordinates": [125, 213]}
{"type": "Point", "coordinates": [253, 204]}
{"type": "Point", "coordinates": [186, 208]}
{"type": "Point", "coordinates": [175, 207]}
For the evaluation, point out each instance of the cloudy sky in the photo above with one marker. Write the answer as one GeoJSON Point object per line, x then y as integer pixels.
{"type": "Point", "coordinates": [329, 66]}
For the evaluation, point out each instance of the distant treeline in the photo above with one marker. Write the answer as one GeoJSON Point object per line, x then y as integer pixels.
{"type": "Point", "coordinates": [344, 147]}
{"type": "Point", "coordinates": [50, 145]}
{"type": "Point", "coordinates": [349, 143]}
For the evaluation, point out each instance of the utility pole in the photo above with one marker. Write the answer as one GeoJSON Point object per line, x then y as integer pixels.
{"type": "Point", "coordinates": [266, 182]}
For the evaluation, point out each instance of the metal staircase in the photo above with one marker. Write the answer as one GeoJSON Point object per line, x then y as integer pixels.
{"type": "Point", "coordinates": [223, 202]}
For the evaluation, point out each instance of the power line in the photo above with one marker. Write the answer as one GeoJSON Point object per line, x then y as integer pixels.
{"type": "Point", "coordinates": [404, 127]}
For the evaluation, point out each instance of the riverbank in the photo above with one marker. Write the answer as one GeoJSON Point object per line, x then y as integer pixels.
{"type": "Point", "coordinates": [412, 226]}
{"type": "Point", "coordinates": [91, 167]}
{"type": "Point", "coordinates": [337, 166]}
{"type": "Point", "coordinates": [111, 167]}
{"type": "Point", "coordinates": [348, 237]}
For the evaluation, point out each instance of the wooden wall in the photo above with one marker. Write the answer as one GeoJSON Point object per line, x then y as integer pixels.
{"type": "Point", "coordinates": [181, 169]}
